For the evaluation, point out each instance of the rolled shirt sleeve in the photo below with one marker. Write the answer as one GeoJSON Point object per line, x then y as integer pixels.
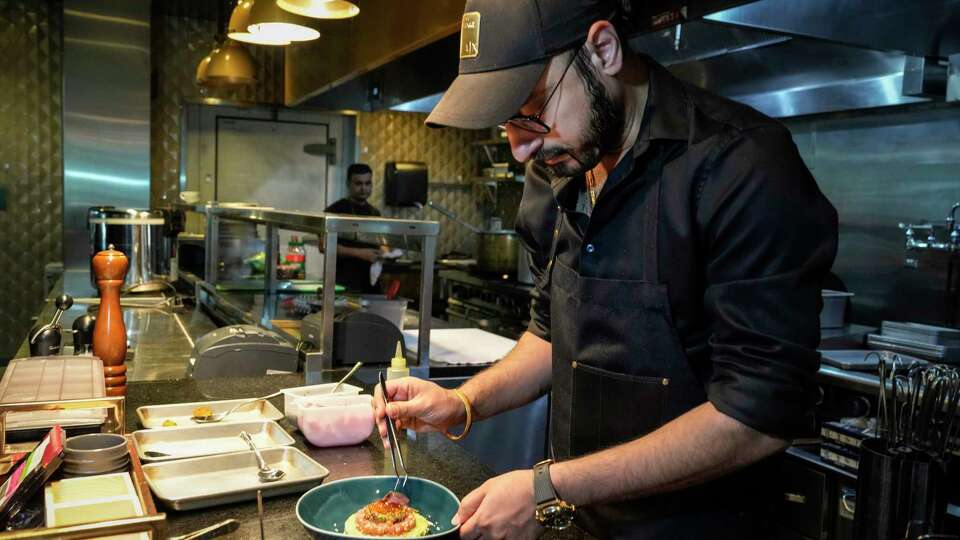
{"type": "Point", "coordinates": [536, 218]}
{"type": "Point", "coordinates": [769, 237]}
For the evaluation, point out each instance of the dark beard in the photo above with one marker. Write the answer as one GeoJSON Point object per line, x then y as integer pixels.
{"type": "Point", "coordinates": [603, 134]}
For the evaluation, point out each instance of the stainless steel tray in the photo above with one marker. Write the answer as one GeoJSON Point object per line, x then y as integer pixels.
{"type": "Point", "coordinates": [153, 416]}
{"type": "Point", "coordinates": [209, 439]}
{"type": "Point", "coordinates": [188, 484]}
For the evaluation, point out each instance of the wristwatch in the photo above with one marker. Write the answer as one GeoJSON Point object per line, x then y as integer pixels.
{"type": "Point", "coordinates": [551, 511]}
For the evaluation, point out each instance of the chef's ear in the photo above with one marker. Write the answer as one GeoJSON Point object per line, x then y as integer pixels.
{"type": "Point", "coordinates": [606, 49]}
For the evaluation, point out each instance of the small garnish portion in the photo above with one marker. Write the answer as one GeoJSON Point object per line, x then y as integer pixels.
{"type": "Point", "coordinates": [169, 423]}
{"type": "Point", "coordinates": [389, 516]}
{"type": "Point", "coordinates": [202, 412]}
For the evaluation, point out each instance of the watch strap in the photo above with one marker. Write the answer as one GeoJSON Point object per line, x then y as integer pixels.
{"type": "Point", "coordinates": [543, 491]}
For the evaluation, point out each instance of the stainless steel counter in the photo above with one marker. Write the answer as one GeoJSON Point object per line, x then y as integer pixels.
{"type": "Point", "coordinates": [159, 339]}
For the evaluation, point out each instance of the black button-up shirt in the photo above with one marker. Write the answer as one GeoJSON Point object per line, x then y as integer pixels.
{"type": "Point", "coordinates": [745, 241]}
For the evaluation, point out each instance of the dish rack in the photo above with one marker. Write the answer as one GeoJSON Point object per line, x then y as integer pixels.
{"type": "Point", "coordinates": [152, 522]}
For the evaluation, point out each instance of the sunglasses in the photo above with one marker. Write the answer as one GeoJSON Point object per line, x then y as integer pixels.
{"type": "Point", "coordinates": [533, 123]}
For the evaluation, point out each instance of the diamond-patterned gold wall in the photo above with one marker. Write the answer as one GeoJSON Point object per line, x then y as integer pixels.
{"type": "Point", "coordinates": [31, 159]}
{"type": "Point", "coordinates": [178, 43]}
{"type": "Point", "coordinates": [452, 162]}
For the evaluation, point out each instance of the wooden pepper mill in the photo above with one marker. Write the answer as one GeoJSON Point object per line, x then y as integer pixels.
{"type": "Point", "coordinates": [110, 334]}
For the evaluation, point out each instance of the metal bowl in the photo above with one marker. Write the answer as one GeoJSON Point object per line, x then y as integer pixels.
{"type": "Point", "coordinates": [324, 509]}
{"type": "Point", "coordinates": [95, 447]}
{"type": "Point", "coordinates": [96, 466]}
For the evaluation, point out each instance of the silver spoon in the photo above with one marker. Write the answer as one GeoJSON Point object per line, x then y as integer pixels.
{"type": "Point", "coordinates": [347, 376]}
{"type": "Point", "coordinates": [212, 418]}
{"type": "Point", "coordinates": [266, 473]}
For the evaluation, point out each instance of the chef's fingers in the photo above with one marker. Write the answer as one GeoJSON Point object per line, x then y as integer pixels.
{"type": "Point", "coordinates": [465, 514]}
{"type": "Point", "coordinates": [415, 408]}
{"type": "Point", "coordinates": [403, 389]}
{"type": "Point", "coordinates": [382, 428]}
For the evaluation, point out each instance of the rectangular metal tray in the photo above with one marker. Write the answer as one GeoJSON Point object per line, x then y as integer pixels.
{"type": "Point", "coordinates": [153, 416]}
{"type": "Point", "coordinates": [209, 439]}
{"type": "Point", "coordinates": [52, 378]}
{"type": "Point", "coordinates": [188, 484]}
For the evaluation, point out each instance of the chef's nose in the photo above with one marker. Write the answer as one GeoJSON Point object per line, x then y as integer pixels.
{"type": "Point", "coordinates": [524, 144]}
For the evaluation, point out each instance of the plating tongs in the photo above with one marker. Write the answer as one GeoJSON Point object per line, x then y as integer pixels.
{"type": "Point", "coordinates": [395, 455]}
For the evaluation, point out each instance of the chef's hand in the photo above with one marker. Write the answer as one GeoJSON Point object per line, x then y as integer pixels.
{"type": "Point", "coordinates": [502, 507]}
{"type": "Point", "coordinates": [418, 405]}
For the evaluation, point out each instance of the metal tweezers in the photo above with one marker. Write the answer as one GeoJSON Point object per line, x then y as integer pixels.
{"type": "Point", "coordinates": [395, 455]}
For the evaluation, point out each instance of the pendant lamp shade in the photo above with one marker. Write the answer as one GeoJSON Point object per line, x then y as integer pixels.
{"type": "Point", "coordinates": [321, 9]}
{"type": "Point", "coordinates": [201, 77]}
{"type": "Point", "coordinates": [240, 21]}
{"type": "Point", "coordinates": [227, 66]}
{"type": "Point", "coordinates": [267, 20]}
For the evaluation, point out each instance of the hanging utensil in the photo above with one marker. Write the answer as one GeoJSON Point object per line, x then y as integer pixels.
{"type": "Point", "coordinates": [395, 455]}
{"type": "Point", "coordinates": [883, 407]}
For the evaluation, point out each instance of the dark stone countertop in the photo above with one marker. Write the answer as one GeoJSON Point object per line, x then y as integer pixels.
{"type": "Point", "coordinates": [429, 456]}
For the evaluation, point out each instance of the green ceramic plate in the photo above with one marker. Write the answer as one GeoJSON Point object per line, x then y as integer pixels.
{"type": "Point", "coordinates": [323, 509]}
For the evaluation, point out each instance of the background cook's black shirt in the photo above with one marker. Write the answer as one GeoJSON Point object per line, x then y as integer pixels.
{"type": "Point", "coordinates": [354, 274]}
{"type": "Point", "coordinates": [745, 241]}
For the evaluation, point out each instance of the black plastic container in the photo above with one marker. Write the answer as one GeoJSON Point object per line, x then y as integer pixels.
{"type": "Point", "coordinates": [896, 489]}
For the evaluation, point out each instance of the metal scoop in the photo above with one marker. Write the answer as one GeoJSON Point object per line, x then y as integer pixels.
{"type": "Point", "coordinates": [349, 374]}
{"type": "Point", "coordinates": [212, 418]}
{"type": "Point", "coordinates": [266, 473]}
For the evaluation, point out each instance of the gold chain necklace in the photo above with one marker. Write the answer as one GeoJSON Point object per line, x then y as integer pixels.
{"type": "Point", "coordinates": [593, 188]}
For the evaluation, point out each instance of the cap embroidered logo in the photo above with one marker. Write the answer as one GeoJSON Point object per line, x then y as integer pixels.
{"type": "Point", "coordinates": [470, 35]}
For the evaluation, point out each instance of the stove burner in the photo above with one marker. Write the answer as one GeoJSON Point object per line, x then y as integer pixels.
{"type": "Point", "coordinates": [501, 306]}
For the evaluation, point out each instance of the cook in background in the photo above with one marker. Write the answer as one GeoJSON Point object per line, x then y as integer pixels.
{"type": "Point", "coordinates": [355, 256]}
{"type": "Point", "coordinates": [680, 245]}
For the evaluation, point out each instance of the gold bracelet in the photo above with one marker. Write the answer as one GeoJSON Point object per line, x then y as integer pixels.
{"type": "Point", "coordinates": [469, 422]}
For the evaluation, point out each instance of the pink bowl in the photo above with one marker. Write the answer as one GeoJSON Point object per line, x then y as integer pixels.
{"type": "Point", "coordinates": [337, 422]}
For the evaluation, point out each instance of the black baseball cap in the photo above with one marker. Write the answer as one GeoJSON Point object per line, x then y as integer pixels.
{"type": "Point", "coordinates": [504, 47]}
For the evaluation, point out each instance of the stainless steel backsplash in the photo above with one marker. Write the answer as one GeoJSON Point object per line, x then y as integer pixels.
{"type": "Point", "coordinates": [879, 170]}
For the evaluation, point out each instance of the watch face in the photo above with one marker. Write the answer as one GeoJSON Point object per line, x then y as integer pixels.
{"type": "Point", "coordinates": [555, 515]}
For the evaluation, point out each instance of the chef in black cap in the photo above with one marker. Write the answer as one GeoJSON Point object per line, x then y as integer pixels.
{"type": "Point", "coordinates": [679, 245]}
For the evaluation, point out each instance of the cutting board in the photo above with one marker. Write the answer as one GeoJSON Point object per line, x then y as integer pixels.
{"type": "Point", "coordinates": [462, 346]}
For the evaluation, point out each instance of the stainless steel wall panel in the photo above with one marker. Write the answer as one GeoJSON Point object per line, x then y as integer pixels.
{"type": "Point", "coordinates": [106, 113]}
{"type": "Point", "coordinates": [31, 159]}
{"type": "Point", "coordinates": [879, 170]}
{"type": "Point", "coordinates": [452, 162]}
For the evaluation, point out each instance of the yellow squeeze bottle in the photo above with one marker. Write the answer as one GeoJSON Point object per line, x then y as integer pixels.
{"type": "Point", "coordinates": [398, 365]}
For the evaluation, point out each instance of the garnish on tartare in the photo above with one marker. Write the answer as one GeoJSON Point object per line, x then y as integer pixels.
{"type": "Point", "coordinates": [390, 516]}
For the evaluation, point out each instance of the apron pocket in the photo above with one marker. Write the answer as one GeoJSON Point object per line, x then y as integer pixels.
{"type": "Point", "coordinates": [610, 408]}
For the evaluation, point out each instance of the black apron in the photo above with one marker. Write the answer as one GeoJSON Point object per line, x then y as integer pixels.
{"type": "Point", "coordinates": [620, 372]}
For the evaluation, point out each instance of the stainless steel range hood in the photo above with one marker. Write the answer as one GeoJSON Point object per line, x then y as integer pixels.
{"type": "Point", "coordinates": [783, 57]}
